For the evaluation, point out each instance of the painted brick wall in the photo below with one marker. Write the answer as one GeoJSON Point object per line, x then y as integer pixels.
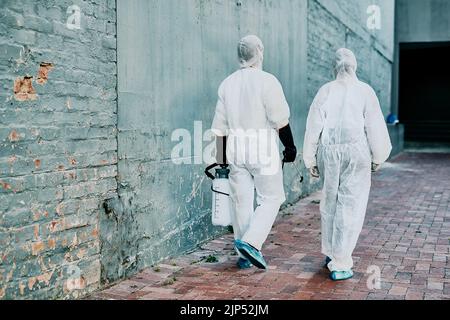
{"type": "Point", "coordinates": [58, 146]}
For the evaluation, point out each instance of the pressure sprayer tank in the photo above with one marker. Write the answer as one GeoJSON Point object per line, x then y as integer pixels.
{"type": "Point", "coordinates": [221, 202]}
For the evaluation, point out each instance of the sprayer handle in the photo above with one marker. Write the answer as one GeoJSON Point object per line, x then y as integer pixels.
{"type": "Point", "coordinates": [209, 174]}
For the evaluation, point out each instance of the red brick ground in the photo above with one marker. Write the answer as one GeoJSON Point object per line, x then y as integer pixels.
{"type": "Point", "coordinates": [406, 235]}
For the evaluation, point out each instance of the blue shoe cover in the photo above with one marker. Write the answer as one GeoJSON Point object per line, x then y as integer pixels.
{"type": "Point", "coordinates": [252, 254]}
{"type": "Point", "coordinates": [341, 275]}
{"type": "Point", "coordinates": [244, 264]}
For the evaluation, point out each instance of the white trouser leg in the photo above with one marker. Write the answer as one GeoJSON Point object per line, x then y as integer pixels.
{"type": "Point", "coordinates": [350, 213]}
{"type": "Point", "coordinates": [242, 195]}
{"type": "Point", "coordinates": [346, 190]}
{"type": "Point", "coordinates": [330, 175]}
{"type": "Point", "coordinates": [270, 196]}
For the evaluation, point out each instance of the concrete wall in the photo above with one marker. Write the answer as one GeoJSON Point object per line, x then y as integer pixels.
{"type": "Point", "coordinates": [173, 55]}
{"type": "Point", "coordinates": [423, 20]}
{"type": "Point", "coordinates": [58, 149]}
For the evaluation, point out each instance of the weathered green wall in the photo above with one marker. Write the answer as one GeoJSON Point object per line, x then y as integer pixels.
{"type": "Point", "coordinates": [172, 57]}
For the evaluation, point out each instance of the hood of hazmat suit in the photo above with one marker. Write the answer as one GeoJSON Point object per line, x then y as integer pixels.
{"type": "Point", "coordinates": [251, 52]}
{"type": "Point", "coordinates": [345, 134]}
{"type": "Point", "coordinates": [345, 64]}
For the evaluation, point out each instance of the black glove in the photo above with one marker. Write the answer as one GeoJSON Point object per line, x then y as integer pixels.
{"type": "Point", "coordinates": [375, 167]}
{"type": "Point", "coordinates": [290, 151]}
{"type": "Point", "coordinates": [289, 155]}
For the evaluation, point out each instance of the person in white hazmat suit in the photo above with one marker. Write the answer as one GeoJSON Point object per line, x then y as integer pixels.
{"type": "Point", "coordinates": [346, 138]}
{"type": "Point", "coordinates": [251, 109]}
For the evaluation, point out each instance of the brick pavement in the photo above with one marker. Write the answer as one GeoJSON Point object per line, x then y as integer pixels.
{"type": "Point", "coordinates": [406, 235]}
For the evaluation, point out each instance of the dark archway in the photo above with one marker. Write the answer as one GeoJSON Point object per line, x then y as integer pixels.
{"type": "Point", "coordinates": [424, 102]}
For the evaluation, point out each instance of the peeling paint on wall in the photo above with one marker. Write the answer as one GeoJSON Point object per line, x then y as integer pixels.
{"type": "Point", "coordinates": [37, 163]}
{"type": "Point", "coordinates": [54, 136]}
{"type": "Point", "coordinates": [43, 72]}
{"type": "Point", "coordinates": [119, 233]}
{"type": "Point", "coordinates": [13, 136]}
{"type": "Point", "coordinates": [5, 186]}
{"type": "Point", "coordinates": [23, 89]}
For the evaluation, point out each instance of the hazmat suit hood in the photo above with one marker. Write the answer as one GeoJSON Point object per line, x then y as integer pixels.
{"type": "Point", "coordinates": [345, 64]}
{"type": "Point", "coordinates": [251, 52]}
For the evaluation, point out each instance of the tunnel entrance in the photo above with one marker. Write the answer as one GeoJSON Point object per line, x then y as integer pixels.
{"type": "Point", "coordinates": [424, 101]}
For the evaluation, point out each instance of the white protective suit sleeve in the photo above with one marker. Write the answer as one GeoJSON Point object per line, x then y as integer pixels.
{"type": "Point", "coordinates": [314, 127]}
{"type": "Point", "coordinates": [220, 123]}
{"type": "Point", "coordinates": [376, 129]}
{"type": "Point", "coordinates": [277, 108]}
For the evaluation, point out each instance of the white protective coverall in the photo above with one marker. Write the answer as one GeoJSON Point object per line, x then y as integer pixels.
{"type": "Point", "coordinates": [250, 108]}
{"type": "Point", "coordinates": [346, 132]}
